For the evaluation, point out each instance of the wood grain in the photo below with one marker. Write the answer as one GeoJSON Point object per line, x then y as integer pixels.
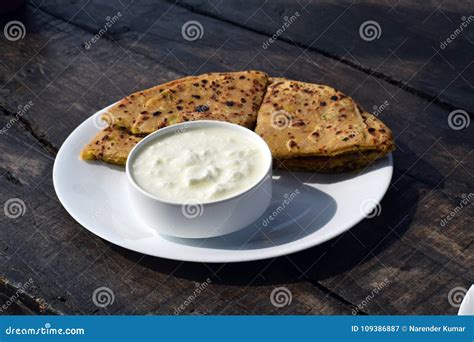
{"type": "Point", "coordinates": [411, 51]}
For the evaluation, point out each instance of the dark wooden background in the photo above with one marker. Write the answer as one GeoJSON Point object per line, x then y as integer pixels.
{"type": "Point", "coordinates": [405, 247]}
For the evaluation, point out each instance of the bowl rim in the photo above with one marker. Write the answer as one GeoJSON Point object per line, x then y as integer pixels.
{"type": "Point", "coordinates": [198, 123]}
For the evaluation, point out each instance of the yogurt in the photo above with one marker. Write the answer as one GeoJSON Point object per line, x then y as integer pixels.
{"type": "Point", "coordinates": [199, 164]}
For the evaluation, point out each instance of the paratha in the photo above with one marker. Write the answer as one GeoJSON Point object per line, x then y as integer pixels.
{"type": "Point", "coordinates": [308, 125]}
{"type": "Point", "coordinates": [383, 141]}
{"type": "Point", "coordinates": [111, 145]}
{"type": "Point", "coordinates": [231, 96]}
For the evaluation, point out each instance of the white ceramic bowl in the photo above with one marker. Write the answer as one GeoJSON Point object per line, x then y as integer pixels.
{"type": "Point", "coordinates": [207, 219]}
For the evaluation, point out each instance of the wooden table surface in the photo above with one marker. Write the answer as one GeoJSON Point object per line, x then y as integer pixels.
{"type": "Point", "coordinates": [406, 260]}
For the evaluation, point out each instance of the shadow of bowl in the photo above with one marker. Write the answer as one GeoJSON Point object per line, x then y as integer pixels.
{"type": "Point", "coordinates": [289, 217]}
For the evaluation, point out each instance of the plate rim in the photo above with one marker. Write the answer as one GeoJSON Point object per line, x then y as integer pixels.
{"type": "Point", "coordinates": [264, 253]}
{"type": "Point", "coordinates": [467, 305]}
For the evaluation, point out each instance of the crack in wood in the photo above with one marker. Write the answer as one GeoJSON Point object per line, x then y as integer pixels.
{"type": "Point", "coordinates": [18, 301]}
{"type": "Point", "coordinates": [335, 296]}
{"type": "Point", "coordinates": [11, 177]}
{"type": "Point", "coordinates": [28, 127]}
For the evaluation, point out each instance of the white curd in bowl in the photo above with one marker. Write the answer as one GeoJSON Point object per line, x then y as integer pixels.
{"type": "Point", "coordinates": [202, 164]}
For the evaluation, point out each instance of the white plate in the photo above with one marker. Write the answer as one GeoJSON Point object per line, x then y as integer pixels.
{"type": "Point", "coordinates": [467, 305]}
{"type": "Point", "coordinates": [307, 209]}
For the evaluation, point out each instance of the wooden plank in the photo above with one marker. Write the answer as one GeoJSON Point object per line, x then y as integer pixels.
{"type": "Point", "coordinates": [65, 82]}
{"type": "Point", "coordinates": [405, 254]}
{"type": "Point", "coordinates": [67, 264]}
{"type": "Point", "coordinates": [412, 50]}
